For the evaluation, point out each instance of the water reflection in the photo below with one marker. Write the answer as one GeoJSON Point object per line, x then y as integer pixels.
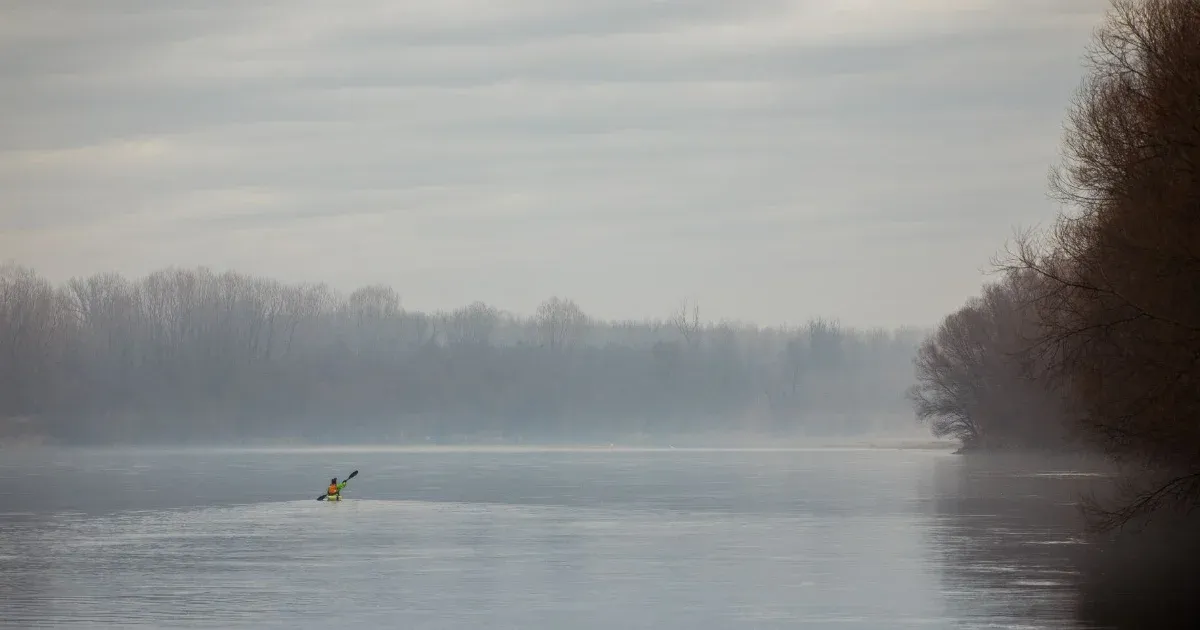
{"type": "Point", "coordinates": [1012, 545]}
{"type": "Point", "coordinates": [679, 540]}
{"type": "Point", "coordinates": [1004, 536]}
{"type": "Point", "coordinates": [1143, 579]}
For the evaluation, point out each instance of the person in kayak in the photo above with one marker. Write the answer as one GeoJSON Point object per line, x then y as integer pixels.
{"type": "Point", "coordinates": [335, 489]}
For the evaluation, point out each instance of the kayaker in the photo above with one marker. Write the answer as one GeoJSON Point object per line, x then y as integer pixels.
{"type": "Point", "coordinates": [335, 489]}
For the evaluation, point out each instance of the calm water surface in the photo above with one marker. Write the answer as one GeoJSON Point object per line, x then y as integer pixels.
{"type": "Point", "coordinates": [587, 539]}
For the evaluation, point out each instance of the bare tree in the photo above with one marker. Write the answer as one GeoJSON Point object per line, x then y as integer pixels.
{"type": "Point", "coordinates": [560, 322]}
{"type": "Point", "coordinates": [472, 324]}
{"type": "Point", "coordinates": [1121, 310]}
{"type": "Point", "coordinates": [795, 353]}
{"type": "Point", "coordinates": [977, 379]}
{"type": "Point", "coordinates": [192, 354]}
{"type": "Point", "coordinates": [30, 317]}
{"type": "Point", "coordinates": [686, 320]}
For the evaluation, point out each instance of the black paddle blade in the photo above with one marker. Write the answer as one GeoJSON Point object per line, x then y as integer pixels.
{"type": "Point", "coordinates": [352, 475]}
{"type": "Point", "coordinates": [322, 497]}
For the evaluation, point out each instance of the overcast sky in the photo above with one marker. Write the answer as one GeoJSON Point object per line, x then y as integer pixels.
{"type": "Point", "coordinates": [773, 159]}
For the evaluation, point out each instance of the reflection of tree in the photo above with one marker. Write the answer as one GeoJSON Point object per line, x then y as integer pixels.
{"type": "Point", "coordinates": [1144, 578]}
{"type": "Point", "coordinates": [1005, 540]}
{"type": "Point", "coordinates": [1011, 544]}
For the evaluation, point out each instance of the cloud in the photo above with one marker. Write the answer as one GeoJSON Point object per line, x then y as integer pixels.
{"type": "Point", "coordinates": [779, 159]}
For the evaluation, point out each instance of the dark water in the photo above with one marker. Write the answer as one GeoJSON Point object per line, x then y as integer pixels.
{"type": "Point", "coordinates": [588, 539]}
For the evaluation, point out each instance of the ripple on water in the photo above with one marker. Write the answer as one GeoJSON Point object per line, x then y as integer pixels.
{"type": "Point", "coordinates": [718, 541]}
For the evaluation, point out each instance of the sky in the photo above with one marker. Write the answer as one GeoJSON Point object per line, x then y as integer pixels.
{"type": "Point", "coordinates": [771, 160]}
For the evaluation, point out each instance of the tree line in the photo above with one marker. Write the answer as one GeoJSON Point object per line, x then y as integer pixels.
{"type": "Point", "coordinates": [1090, 337]}
{"type": "Point", "coordinates": [195, 355]}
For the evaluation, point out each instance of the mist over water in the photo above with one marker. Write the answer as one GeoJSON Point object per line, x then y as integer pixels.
{"type": "Point", "coordinates": [592, 538]}
{"type": "Point", "coordinates": [619, 244]}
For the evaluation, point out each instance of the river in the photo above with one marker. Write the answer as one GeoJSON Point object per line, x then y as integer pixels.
{"type": "Point", "coordinates": [606, 539]}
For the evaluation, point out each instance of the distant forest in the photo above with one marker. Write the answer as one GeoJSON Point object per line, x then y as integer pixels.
{"type": "Point", "coordinates": [195, 356]}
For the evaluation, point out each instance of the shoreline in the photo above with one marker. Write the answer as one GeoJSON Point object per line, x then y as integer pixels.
{"type": "Point", "coordinates": [475, 447]}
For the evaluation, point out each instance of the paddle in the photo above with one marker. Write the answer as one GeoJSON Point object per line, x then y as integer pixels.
{"type": "Point", "coordinates": [322, 497]}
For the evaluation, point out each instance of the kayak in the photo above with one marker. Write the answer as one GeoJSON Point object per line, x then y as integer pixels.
{"type": "Point", "coordinates": [337, 497]}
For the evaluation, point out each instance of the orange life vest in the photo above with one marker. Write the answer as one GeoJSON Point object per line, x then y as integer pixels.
{"type": "Point", "coordinates": [333, 489]}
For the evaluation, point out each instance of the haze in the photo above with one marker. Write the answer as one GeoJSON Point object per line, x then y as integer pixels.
{"type": "Point", "coordinates": [613, 314]}
{"type": "Point", "coordinates": [775, 161]}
